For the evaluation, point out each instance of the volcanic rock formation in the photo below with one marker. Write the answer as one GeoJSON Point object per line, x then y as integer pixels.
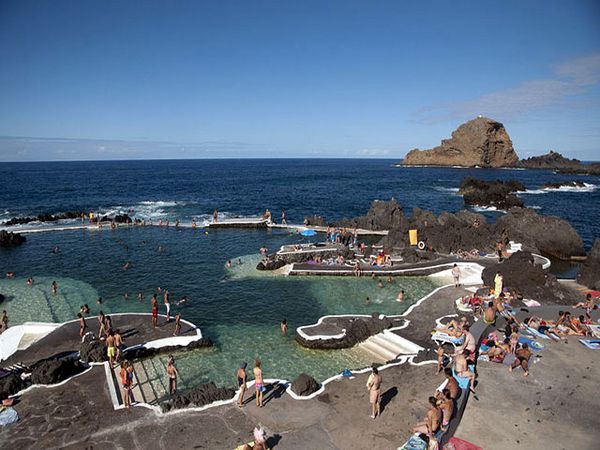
{"type": "Point", "coordinates": [497, 194]}
{"type": "Point", "coordinates": [479, 142]}
{"type": "Point", "coordinates": [8, 239]}
{"type": "Point", "coordinates": [305, 385]}
{"type": "Point", "coordinates": [589, 274]}
{"type": "Point", "coordinates": [202, 395]}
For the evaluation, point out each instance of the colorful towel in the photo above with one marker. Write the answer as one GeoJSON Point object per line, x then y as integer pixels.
{"type": "Point", "coordinates": [458, 444]}
{"type": "Point", "coordinates": [8, 416]}
{"type": "Point", "coordinates": [533, 345]}
{"type": "Point", "coordinates": [593, 344]}
{"type": "Point", "coordinates": [414, 443]}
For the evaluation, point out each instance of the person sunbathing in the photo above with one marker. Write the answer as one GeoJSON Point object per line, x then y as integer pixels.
{"type": "Point", "coordinates": [494, 353]}
{"type": "Point", "coordinates": [522, 359]}
{"type": "Point", "coordinates": [446, 405]}
{"type": "Point", "coordinates": [588, 304]}
{"type": "Point", "coordinates": [454, 328]}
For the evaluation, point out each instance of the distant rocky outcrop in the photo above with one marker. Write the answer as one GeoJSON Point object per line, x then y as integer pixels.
{"type": "Point", "coordinates": [305, 385]}
{"type": "Point", "coordinates": [46, 217]}
{"type": "Point", "coordinates": [479, 142]}
{"type": "Point", "coordinates": [497, 194]}
{"type": "Point", "coordinates": [530, 281]}
{"type": "Point", "coordinates": [589, 273]}
{"type": "Point", "coordinates": [555, 161]}
{"type": "Point", "coordinates": [8, 239]}
{"type": "Point", "coordinates": [551, 161]}
{"type": "Point", "coordinates": [204, 394]}
{"type": "Point", "coordinates": [549, 235]}
{"type": "Point", "coordinates": [569, 184]}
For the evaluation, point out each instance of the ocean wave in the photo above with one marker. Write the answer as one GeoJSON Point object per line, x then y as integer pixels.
{"type": "Point", "coordinates": [588, 187]}
{"type": "Point", "coordinates": [446, 189]}
{"type": "Point", "coordinates": [487, 209]}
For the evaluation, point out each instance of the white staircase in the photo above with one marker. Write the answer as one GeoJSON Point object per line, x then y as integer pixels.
{"type": "Point", "coordinates": [387, 346]}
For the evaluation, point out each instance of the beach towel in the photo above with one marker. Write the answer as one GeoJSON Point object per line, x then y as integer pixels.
{"type": "Point", "coordinates": [533, 345]}
{"type": "Point", "coordinates": [458, 444]}
{"type": "Point", "coordinates": [535, 333]}
{"type": "Point", "coordinates": [8, 416]}
{"type": "Point", "coordinates": [595, 329]}
{"type": "Point", "coordinates": [592, 344]}
{"type": "Point", "coordinates": [463, 383]}
{"type": "Point", "coordinates": [531, 303]}
{"type": "Point", "coordinates": [414, 443]}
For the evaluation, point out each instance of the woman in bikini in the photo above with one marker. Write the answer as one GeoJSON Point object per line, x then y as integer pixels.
{"type": "Point", "coordinates": [258, 383]}
{"type": "Point", "coordinates": [446, 404]}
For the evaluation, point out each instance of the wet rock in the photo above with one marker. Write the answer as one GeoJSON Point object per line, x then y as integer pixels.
{"type": "Point", "coordinates": [45, 217]}
{"type": "Point", "coordinates": [497, 194]}
{"type": "Point", "coordinates": [93, 351]}
{"type": "Point", "coordinates": [530, 281]}
{"type": "Point", "coordinates": [589, 273]}
{"type": "Point", "coordinates": [305, 385]}
{"type": "Point", "coordinates": [383, 215]}
{"type": "Point", "coordinates": [122, 218]}
{"type": "Point", "coordinates": [204, 394]}
{"type": "Point", "coordinates": [550, 235]}
{"type": "Point", "coordinates": [357, 329]}
{"type": "Point", "coordinates": [52, 371]}
{"type": "Point", "coordinates": [479, 142]}
{"type": "Point", "coordinates": [570, 184]}
{"type": "Point", "coordinates": [8, 239]}
{"type": "Point", "coordinates": [271, 262]}
{"type": "Point", "coordinates": [10, 385]}
{"type": "Point", "coordinates": [317, 221]}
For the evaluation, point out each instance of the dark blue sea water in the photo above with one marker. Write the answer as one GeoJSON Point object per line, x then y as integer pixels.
{"type": "Point", "coordinates": [332, 188]}
{"type": "Point", "coordinates": [238, 308]}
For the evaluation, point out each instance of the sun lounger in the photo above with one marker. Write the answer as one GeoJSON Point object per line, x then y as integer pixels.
{"type": "Point", "coordinates": [595, 329]}
{"type": "Point", "coordinates": [535, 333]}
{"type": "Point", "coordinates": [463, 307]}
{"type": "Point", "coordinates": [593, 344]}
{"type": "Point", "coordinates": [444, 338]}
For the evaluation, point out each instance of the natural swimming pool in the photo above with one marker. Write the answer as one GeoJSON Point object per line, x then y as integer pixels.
{"type": "Point", "coordinates": [239, 308]}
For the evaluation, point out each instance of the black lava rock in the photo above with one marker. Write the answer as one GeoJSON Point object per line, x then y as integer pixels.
{"type": "Point", "coordinates": [93, 351]}
{"type": "Point", "coordinates": [52, 371]}
{"type": "Point", "coordinates": [8, 239]}
{"type": "Point", "coordinates": [10, 385]}
{"type": "Point", "coordinates": [304, 385]}
{"type": "Point", "coordinates": [589, 273]}
{"type": "Point", "coordinates": [204, 394]}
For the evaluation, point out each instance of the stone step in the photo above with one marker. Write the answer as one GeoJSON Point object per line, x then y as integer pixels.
{"type": "Point", "coordinates": [408, 347]}
{"type": "Point", "coordinates": [383, 354]}
{"type": "Point", "coordinates": [384, 343]}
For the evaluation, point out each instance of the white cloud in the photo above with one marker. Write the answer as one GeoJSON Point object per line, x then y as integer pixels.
{"type": "Point", "coordinates": [570, 79]}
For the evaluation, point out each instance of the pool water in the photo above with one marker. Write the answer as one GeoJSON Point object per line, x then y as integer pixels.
{"type": "Point", "coordinates": [239, 308]}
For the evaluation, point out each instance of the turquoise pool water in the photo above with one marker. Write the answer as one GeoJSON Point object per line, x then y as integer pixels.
{"type": "Point", "coordinates": [238, 308]}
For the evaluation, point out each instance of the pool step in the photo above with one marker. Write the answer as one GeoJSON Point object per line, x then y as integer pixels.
{"type": "Point", "coordinates": [387, 346]}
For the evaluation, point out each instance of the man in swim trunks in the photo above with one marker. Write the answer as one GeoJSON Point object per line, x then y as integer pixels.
{"type": "Point", "coordinates": [432, 421]}
{"type": "Point", "coordinates": [489, 315]}
{"type": "Point", "coordinates": [469, 343]}
{"type": "Point", "coordinates": [462, 370]}
{"type": "Point", "coordinates": [154, 303]}
{"type": "Point", "coordinates": [119, 344]}
{"type": "Point", "coordinates": [374, 387]}
{"type": "Point", "coordinates": [172, 374]}
{"type": "Point", "coordinates": [523, 355]}
{"type": "Point", "coordinates": [456, 275]}
{"type": "Point", "coordinates": [452, 384]}
{"type": "Point", "coordinates": [167, 304]}
{"type": "Point", "coordinates": [82, 325]}
{"type": "Point", "coordinates": [111, 350]}
{"type": "Point", "coordinates": [258, 383]}
{"type": "Point", "coordinates": [241, 381]}
{"type": "Point", "coordinates": [177, 324]}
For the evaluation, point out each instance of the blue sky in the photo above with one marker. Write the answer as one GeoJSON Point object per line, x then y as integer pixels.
{"type": "Point", "coordinates": [124, 80]}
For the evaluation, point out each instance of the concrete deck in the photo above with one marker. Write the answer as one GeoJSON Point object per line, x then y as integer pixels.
{"type": "Point", "coordinates": [135, 328]}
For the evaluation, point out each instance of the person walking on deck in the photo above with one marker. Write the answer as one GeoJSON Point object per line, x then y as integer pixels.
{"type": "Point", "coordinates": [374, 387]}
{"type": "Point", "coordinates": [456, 275]}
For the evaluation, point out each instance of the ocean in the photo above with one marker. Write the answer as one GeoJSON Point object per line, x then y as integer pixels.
{"type": "Point", "coordinates": [239, 308]}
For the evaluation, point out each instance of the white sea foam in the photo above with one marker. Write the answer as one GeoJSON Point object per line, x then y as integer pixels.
{"type": "Point", "coordinates": [446, 189]}
{"type": "Point", "coordinates": [488, 209]}
{"type": "Point", "coordinates": [588, 187]}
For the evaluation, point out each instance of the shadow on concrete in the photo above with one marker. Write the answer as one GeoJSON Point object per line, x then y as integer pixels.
{"type": "Point", "coordinates": [387, 397]}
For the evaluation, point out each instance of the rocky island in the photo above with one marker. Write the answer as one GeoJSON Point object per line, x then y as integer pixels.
{"type": "Point", "coordinates": [479, 142]}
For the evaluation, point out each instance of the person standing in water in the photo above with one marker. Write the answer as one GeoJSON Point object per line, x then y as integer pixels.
{"type": "Point", "coordinates": [284, 327]}
{"type": "Point", "coordinates": [167, 304]}
{"type": "Point", "coordinates": [258, 383]}
{"type": "Point", "coordinates": [154, 303]}
{"type": "Point", "coordinates": [241, 381]}
{"type": "Point", "coordinates": [54, 288]}
{"type": "Point", "coordinates": [172, 373]}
